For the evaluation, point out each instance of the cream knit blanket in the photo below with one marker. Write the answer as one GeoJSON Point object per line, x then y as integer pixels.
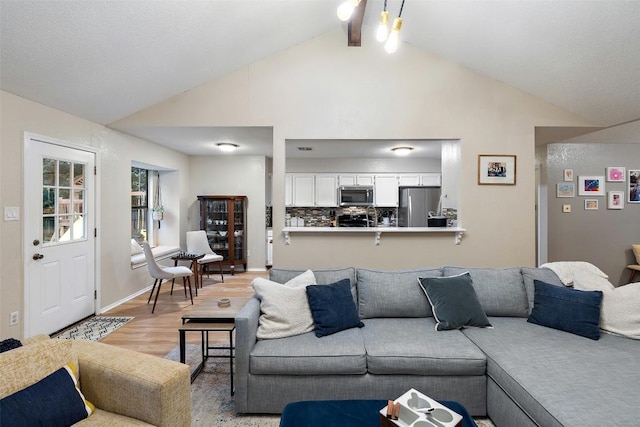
{"type": "Point", "coordinates": [620, 310]}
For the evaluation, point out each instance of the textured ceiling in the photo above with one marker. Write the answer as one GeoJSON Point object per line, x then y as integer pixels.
{"type": "Point", "coordinates": [106, 59]}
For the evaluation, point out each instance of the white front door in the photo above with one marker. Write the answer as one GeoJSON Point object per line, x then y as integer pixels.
{"type": "Point", "coordinates": [59, 235]}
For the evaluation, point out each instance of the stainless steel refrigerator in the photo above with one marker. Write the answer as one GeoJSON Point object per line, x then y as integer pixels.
{"type": "Point", "coordinates": [415, 203]}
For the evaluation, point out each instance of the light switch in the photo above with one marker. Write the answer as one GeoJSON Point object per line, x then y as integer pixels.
{"type": "Point", "coordinates": [11, 213]}
{"type": "Point", "coordinates": [566, 208]}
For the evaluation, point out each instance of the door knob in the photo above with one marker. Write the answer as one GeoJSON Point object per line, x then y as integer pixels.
{"type": "Point", "coordinates": [37, 257]}
{"type": "Point", "coordinates": [36, 242]}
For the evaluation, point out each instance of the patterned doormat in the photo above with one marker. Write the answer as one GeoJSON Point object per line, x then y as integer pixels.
{"type": "Point", "coordinates": [93, 329]}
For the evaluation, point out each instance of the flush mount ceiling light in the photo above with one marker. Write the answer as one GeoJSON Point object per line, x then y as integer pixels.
{"type": "Point", "coordinates": [227, 147]}
{"type": "Point", "coordinates": [402, 151]}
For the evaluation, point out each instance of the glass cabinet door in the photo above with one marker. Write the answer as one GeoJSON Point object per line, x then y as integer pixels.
{"type": "Point", "coordinates": [216, 214]}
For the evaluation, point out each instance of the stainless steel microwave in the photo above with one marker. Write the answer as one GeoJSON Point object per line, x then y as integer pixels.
{"type": "Point", "coordinates": [361, 195]}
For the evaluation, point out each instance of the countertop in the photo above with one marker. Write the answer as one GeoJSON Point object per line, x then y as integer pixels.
{"type": "Point", "coordinates": [378, 231]}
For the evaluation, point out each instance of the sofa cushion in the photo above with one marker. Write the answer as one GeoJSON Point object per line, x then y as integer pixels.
{"type": "Point", "coordinates": [567, 309]}
{"type": "Point", "coordinates": [500, 291]}
{"type": "Point", "coordinates": [332, 308]}
{"type": "Point", "coordinates": [530, 274]}
{"type": "Point", "coordinates": [342, 353]}
{"type": "Point", "coordinates": [323, 276]}
{"type": "Point", "coordinates": [55, 400]}
{"type": "Point", "coordinates": [284, 308]}
{"type": "Point", "coordinates": [30, 363]}
{"type": "Point", "coordinates": [393, 293]}
{"type": "Point", "coordinates": [562, 379]}
{"type": "Point", "coordinates": [413, 347]}
{"type": "Point", "coordinates": [454, 302]}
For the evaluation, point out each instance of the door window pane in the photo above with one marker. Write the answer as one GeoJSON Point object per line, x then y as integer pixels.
{"type": "Point", "coordinates": [48, 201]}
{"type": "Point", "coordinates": [48, 228]}
{"type": "Point", "coordinates": [64, 174]}
{"type": "Point", "coordinates": [78, 175]}
{"type": "Point", "coordinates": [78, 201]}
{"type": "Point", "coordinates": [49, 171]}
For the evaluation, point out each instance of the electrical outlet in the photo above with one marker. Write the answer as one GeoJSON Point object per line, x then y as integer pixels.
{"type": "Point", "coordinates": [14, 318]}
{"type": "Point", "coordinates": [248, 253]}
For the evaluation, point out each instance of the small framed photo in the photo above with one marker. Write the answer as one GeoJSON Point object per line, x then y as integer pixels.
{"type": "Point", "coordinates": [634, 186]}
{"type": "Point", "coordinates": [615, 174]}
{"type": "Point", "coordinates": [568, 174]}
{"type": "Point", "coordinates": [615, 200]}
{"type": "Point", "coordinates": [565, 189]}
{"type": "Point", "coordinates": [591, 204]}
{"type": "Point", "coordinates": [496, 169]}
{"type": "Point", "coordinates": [591, 186]}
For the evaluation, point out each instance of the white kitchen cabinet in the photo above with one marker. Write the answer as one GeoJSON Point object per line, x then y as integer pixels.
{"type": "Point", "coordinates": [288, 189]}
{"type": "Point", "coordinates": [432, 179]}
{"type": "Point", "coordinates": [412, 179]}
{"type": "Point", "coordinates": [303, 189]}
{"type": "Point", "coordinates": [353, 179]}
{"type": "Point", "coordinates": [386, 190]}
{"type": "Point", "coordinates": [326, 190]}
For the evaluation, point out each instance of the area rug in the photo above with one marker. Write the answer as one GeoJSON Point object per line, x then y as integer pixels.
{"type": "Point", "coordinates": [93, 329]}
{"type": "Point", "coordinates": [211, 400]}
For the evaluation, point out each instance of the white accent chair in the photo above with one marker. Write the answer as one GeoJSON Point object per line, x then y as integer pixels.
{"type": "Point", "coordinates": [161, 273]}
{"type": "Point", "coordinates": [197, 242]}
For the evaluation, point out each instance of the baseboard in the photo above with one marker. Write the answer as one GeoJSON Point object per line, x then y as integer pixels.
{"type": "Point", "coordinates": [123, 300]}
{"type": "Point", "coordinates": [257, 269]}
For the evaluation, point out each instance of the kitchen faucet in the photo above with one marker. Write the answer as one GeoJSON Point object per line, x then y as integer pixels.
{"type": "Point", "coordinates": [375, 215]}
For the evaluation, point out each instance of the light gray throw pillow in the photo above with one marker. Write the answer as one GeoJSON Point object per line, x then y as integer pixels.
{"type": "Point", "coordinates": [284, 307]}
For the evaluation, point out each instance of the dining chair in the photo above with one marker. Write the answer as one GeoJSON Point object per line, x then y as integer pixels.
{"type": "Point", "coordinates": [635, 268]}
{"type": "Point", "coordinates": [197, 242]}
{"type": "Point", "coordinates": [160, 273]}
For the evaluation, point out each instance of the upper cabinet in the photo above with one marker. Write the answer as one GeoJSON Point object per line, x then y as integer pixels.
{"type": "Point", "coordinates": [428, 179]}
{"type": "Point", "coordinates": [303, 189]}
{"type": "Point", "coordinates": [352, 180]}
{"type": "Point", "coordinates": [386, 190]}
{"type": "Point", "coordinates": [326, 187]}
{"type": "Point", "coordinates": [433, 179]}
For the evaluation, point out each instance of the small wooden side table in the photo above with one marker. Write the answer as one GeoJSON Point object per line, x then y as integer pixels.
{"type": "Point", "coordinates": [189, 256]}
{"type": "Point", "coordinates": [209, 317]}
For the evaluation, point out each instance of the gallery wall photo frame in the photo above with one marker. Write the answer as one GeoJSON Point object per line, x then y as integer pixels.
{"type": "Point", "coordinates": [633, 186]}
{"type": "Point", "coordinates": [496, 169]}
{"type": "Point", "coordinates": [565, 189]}
{"type": "Point", "coordinates": [567, 174]}
{"type": "Point", "coordinates": [590, 204]}
{"type": "Point", "coordinates": [591, 186]}
{"type": "Point", "coordinates": [616, 174]}
{"type": "Point", "coordinates": [615, 200]}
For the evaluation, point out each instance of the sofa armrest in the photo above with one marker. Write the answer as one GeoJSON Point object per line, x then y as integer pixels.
{"type": "Point", "coordinates": [246, 330]}
{"type": "Point", "coordinates": [151, 389]}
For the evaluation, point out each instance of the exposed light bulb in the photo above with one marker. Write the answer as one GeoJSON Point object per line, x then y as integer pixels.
{"type": "Point", "coordinates": [394, 36]}
{"type": "Point", "coordinates": [345, 10]}
{"type": "Point", "coordinates": [383, 30]}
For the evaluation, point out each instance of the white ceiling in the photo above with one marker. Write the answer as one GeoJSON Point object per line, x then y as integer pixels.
{"type": "Point", "coordinates": [106, 59]}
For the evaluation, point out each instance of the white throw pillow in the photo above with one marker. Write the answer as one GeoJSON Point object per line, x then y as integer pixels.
{"type": "Point", "coordinates": [135, 248]}
{"type": "Point", "coordinates": [284, 307]}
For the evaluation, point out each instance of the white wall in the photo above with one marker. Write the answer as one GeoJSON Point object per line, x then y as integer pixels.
{"type": "Point", "coordinates": [323, 89]}
{"type": "Point", "coordinates": [116, 151]}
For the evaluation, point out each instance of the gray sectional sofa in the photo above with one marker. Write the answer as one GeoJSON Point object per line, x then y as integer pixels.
{"type": "Point", "coordinates": [517, 373]}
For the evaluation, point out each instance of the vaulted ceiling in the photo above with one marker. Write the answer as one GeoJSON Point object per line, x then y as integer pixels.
{"type": "Point", "coordinates": [104, 60]}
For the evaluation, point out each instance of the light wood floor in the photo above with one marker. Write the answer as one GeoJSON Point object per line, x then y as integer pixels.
{"type": "Point", "coordinates": [157, 333]}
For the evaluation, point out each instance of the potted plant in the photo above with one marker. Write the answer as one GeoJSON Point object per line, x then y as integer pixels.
{"type": "Point", "coordinates": [157, 213]}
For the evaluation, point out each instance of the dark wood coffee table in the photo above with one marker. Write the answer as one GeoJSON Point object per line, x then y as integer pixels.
{"type": "Point", "coordinates": [209, 317]}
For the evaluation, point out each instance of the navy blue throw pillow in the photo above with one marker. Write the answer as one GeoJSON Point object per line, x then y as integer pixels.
{"type": "Point", "coordinates": [332, 308]}
{"type": "Point", "coordinates": [566, 309]}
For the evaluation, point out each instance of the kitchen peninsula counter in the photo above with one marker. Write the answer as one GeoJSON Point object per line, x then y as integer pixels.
{"type": "Point", "coordinates": [377, 231]}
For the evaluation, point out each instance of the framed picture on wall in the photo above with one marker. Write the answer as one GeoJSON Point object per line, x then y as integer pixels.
{"type": "Point", "coordinates": [568, 174]}
{"type": "Point", "coordinates": [565, 189]}
{"type": "Point", "coordinates": [591, 204]}
{"type": "Point", "coordinates": [496, 169]}
{"type": "Point", "coordinates": [615, 174]}
{"type": "Point", "coordinates": [634, 186]}
{"type": "Point", "coordinates": [615, 200]}
{"type": "Point", "coordinates": [591, 186]}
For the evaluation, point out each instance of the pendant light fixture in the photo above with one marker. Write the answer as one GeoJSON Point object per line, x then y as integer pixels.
{"type": "Point", "coordinates": [345, 10]}
{"type": "Point", "coordinates": [383, 30]}
{"type": "Point", "coordinates": [391, 44]}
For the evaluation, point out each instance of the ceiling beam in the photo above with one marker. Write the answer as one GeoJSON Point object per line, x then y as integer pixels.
{"type": "Point", "coordinates": [355, 25]}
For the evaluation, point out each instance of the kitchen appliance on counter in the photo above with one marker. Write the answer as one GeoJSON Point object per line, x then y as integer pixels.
{"type": "Point", "coordinates": [361, 195]}
{"type": "Point", "coordinates": [355, 221]}
{"type": "Point", "coordinates": [415, 203]}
